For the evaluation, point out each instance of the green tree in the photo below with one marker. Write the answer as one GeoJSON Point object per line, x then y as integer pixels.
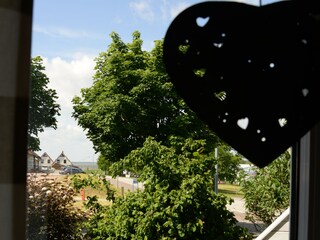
{"type": "Point", "coordinates": [103, 163]}
{"type": "Point", "coordinates": [178, 200]}
{"type": "Point", "coordinates": [267, 194]}
{"type": "Point", "coordinates": [131, 99]}
{"type": "Point", "coordinates": [228, 163]}
{"type": "Point", "coordinates": [43, 108]}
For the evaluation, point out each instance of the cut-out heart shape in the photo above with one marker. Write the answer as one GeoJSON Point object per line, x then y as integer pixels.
{"type": "Point", "coordinates": [305, 92]}
{"type": "Point", "coordinates": [202, 21]}
{"type": "Point", "coordinates": [262, 63]}
{"type": "Point", "coordinates": [282, 122]}
{"type": "Point", "coordinates": [243, 123]}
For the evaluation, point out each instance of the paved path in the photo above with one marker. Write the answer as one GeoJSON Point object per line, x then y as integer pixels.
{"type": "Point", "coordinates": [130, 184]}
{"type": "Point", "coordinates": [237, 207]}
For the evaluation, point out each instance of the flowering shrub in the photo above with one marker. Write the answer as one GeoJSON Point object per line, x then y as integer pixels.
{"type": "Point", "coordinates": [50, 210]}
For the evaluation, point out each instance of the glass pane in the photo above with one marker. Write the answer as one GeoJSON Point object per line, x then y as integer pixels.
{"type": "Point", "coordinates": [68, 38]}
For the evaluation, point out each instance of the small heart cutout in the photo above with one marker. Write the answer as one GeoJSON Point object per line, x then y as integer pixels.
{"type": "Point", "coordinates": [305, 92]}
{"type": "Point", "coordinates": [243, 60]}
{"type": "Point", "coordinates": [282, 122]}
{"type": "Point", "coordinates": [243, 123]}
{"type": "Point", "coordinates": [201, 22]}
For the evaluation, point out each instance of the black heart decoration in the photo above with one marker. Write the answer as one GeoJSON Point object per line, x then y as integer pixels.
{"type": "Point", "coordinates": [250, 73]}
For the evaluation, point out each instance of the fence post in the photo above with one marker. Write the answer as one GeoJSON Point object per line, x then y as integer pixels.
{"type": "Point", "coordinates": [83, 195]}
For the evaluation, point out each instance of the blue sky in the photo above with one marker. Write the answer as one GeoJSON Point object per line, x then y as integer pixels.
{"type": "Point", "coordinates": [66, 28]}
{"type": "Point", "coordinates": [69, 34]}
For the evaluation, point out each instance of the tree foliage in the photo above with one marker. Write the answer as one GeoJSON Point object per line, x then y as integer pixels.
{"type": "Point", "coordinates": [228, 163]}
{"type": "Point", "coordinates": [178, 200]}
{"type": "Point", "coordinates": [43, 108]}
{"type": "Point", "coordinates": [267, 194]}
{"type": "Point", "coordinates": [131, 99]}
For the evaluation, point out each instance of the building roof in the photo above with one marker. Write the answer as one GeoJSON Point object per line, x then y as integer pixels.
{"type": "Point", "coordinates": [46, 155]}
{"type": "Point", "coordinates": [32, 153]}
{"type": "Point", "coordinates": [62, 155]}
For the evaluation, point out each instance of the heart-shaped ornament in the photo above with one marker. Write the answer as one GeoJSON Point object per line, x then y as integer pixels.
{"type": "Point", "coordinates": [250, 73]}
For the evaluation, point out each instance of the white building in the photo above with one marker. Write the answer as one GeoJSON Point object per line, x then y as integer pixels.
{"type": "Point", "coordinates": [45, 162]}
{"type": "Point", "coordinates": [62, 160]}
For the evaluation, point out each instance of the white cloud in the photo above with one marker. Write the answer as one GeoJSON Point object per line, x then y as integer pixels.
{"type": "Point", "coordinates": [69, 33]}
{"type": "Point", "coordinates": [170, 10]}
{"type": "Point", "coordinates": [68, 138]}
{"type": "Point", "coordinates": [143, 9]}
{"type": "Point", "coordinates": [65, 32]}
{"type": "Point", "coordinates": [42, 30]}
{"type": "Point", "coordinates": [178, 8]}
{"type": "Point", "coordinates": [67, 78]}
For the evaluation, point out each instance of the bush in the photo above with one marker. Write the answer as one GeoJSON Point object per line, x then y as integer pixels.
{"type": "Point", "coordinates": [178, 200]}
{"type": "Point", "coordinates": [50, 210]}
{"type": "Point", "coordinates": [267, 194]}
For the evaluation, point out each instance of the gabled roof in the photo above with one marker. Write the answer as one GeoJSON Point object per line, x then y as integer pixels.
{"type": "Point", "coordinates": [46, 155]}
{"type": "Point", "coordinates": [62, 155]}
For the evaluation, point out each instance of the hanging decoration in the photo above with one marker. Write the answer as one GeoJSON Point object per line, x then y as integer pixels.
{"type": "Point", "coordinates": [251, 73]}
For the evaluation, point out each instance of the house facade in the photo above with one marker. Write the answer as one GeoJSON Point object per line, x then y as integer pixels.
{"type": "Point", "coordinates": [33, 161]}
{"type": "Point", "coordinates": [46, 162]}
{"type": "Point", "coordinates": [61, 160]}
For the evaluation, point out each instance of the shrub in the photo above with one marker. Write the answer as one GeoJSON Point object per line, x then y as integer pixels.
{"type": "Point", "coordinates": [178, 200]}
{"type": "Point", "coordinates": [267, 194]}
{"type": "Point", "coordinates": [50, 210]}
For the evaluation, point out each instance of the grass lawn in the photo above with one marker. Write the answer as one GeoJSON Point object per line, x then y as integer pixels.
{"type": "Point", "coordinates": [100, 192]}
{"type": "Point", "coordinates": [230, 190]}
